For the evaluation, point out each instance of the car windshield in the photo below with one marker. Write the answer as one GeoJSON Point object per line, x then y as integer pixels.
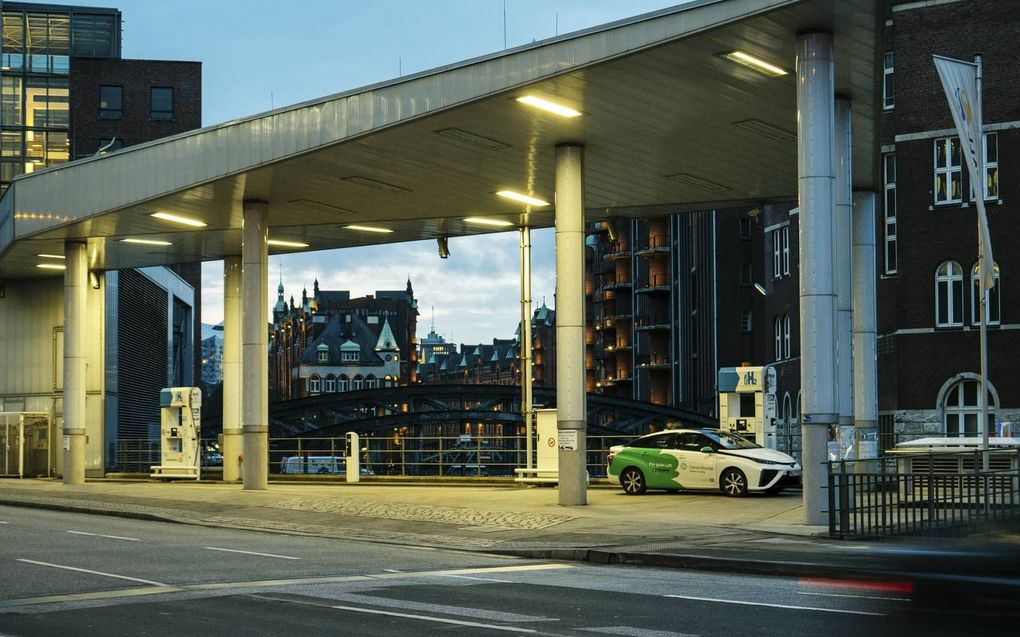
{"type": "Point", "coordinates": [730, 441]}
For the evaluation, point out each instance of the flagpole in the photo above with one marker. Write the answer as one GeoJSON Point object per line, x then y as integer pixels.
{"type": "Point", "coordinates": [980, 190]}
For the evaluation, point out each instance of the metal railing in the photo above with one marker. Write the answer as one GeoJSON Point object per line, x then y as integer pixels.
{"type": "Point", "coordinates": [922, 494]}
{"type": "Point", "coordinates": [389, 455]}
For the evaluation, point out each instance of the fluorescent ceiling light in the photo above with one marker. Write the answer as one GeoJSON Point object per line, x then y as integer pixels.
{"type": "Point", "coordinates": [746, 59]}
{"type": "Point", "coordinates": [516, 196]}
{"type": "Point", "coordinates": [286, 244]}
{"type": "Point", "coordinates": [187, 221]}
{"type": "Point", "coordinates": [369, 229]}
{"type": "Point", "coordinates": [51, 266]}
{"type": "Point", "coordinates": [546, 105]}
{"type": "Point", "coordinates": [488, 221]}
{"type": "Point", "coordinates": [147, 242]}
{"type": "Point", "coordinates": [50, 256]}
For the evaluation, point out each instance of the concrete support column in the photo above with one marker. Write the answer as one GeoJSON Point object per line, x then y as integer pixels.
{"type": "Point", "coordinates": [525, 360]}
{"type": "Point", "coordinates": [571, 419]}
{"type": "Point", "coordinates": [843, 238]}
{"type": "Point", "coordinates": [865, 326]}
{"type": "Point", "coordinates": [76, 275]}
{"type": "Point", "coordinates": [816, 189]}
{"type": "Point", "coordinates": [231, 369]}
{"type": "Point", "coordinates": [254, 345]}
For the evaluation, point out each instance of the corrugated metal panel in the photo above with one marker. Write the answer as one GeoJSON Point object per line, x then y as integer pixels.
{"type": "Point", "coordinates": [142, 349]}
{"type": "Point", "coordinates": [29, 312]}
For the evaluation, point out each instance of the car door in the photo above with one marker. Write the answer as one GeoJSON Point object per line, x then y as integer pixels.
{"type": "Point", "coordinates": [697, 468]}
{"type": "Point", "coordinates": [658, 460]}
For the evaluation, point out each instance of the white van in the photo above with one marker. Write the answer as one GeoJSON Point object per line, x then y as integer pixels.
{"type": "Point", "coordinates": [319, 465]}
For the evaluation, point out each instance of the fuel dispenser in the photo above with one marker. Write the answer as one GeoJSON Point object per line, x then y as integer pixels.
{"type": "Point", "coordinates": [353, 454]}
{"type": "Point", "coordinates": [180, 418]}
{"type": "Point", "coordinates": [747, 403]}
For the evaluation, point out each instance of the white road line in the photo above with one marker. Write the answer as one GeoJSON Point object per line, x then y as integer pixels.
{"type": "Point", "coordinates": [85, 570]}
{"type": "Point", "coordinates": [112, 537]}
{"type": "Point", "coordinates": [480, 579]}
{"type": "Point", "coordinates": [630, 631]}
{"type": "Point", "coordinates": [429, 618]}
{"type": "Point", "coordinates": [787, 606]}
{"type": "Point", "coordinates": [282, 557]}
{"type": "Point", "coordinates": [894, 599]}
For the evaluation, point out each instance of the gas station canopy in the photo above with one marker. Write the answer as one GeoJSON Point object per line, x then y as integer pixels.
{"type": "Point", "coordinates": [674, 108]}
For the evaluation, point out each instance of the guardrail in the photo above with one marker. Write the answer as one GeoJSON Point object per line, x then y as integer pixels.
{"type": "Point", "coordinates": [922, 494]}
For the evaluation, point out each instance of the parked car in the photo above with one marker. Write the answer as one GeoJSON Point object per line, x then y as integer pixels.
{"type": "Point", "coordinates": [700, 459]}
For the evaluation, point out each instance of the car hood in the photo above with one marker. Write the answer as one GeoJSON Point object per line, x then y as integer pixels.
{"type": "Point", "coordinates": [760, 453]}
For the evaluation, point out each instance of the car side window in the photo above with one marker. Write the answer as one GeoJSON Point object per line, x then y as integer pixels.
{"type": "Point", "coordinates": [690, 442]}
{"type": "Point", "coordinates": [652, 442]}
{"type": "Point", "coordinates": [705, 441]}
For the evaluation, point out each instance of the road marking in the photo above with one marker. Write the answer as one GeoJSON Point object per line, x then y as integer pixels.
{"type": "Point", "coordinates": [2, 522]}
{"type": "Point", "coordinates": [894, 599]}
{"type": "Point", "coordinates": [282, 557]}
{"type": "Point", "coordinates": [429, 618]}
{"type": "Point", "coordinates": [84, 597]}
{"type": "Point", "coordinates": [630, 631]}
{"type": "Point", "coordinates": [480, 579]}
{"type": "Point", "coordinates": [85, 570]}
{"type": "Point", "coordinates": [787, 606]}
{"type": "Point", "coordinates": [112, 537]}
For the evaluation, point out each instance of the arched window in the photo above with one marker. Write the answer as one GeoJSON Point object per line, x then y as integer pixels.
{"type": "Point", "coordinates": [343, 384]}
{"type": "Point", "coordinates": [359, 382]}
{"type": "Point", "coordinates": [313, 384]}
{"type": "Point", "coordinates": [786, 336]}
{"type": "Point", "coordinates": [778, 331]}
{"type": "Point", "coordinates": [949, 295]}
{"type": "Point", "coordinates": [330, 384]}
{"type": "Point", "coordinates": [992, 316]}
{"type": "Point", "coordinates": [961, 407]}
{"type": "Point", "coordinates": [371, 382]}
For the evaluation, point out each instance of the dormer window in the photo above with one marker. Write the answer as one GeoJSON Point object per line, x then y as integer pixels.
{"type": "Point", "coordinates": [349, 357]}
{"type": "Point", "coordinates": [323, 356]}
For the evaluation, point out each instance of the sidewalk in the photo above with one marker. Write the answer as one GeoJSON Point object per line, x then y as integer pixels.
{"type": "Point", "coordinates": [760, 535]}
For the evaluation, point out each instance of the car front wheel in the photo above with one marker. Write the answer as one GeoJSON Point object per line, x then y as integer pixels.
{"type": "Point", "coordinates": [733, 483]}
{"type": "Point", "coordinates": [633, 481]}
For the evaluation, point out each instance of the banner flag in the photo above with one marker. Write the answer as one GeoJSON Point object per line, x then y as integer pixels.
{"type": "Point", "coordinates": [959, 80]}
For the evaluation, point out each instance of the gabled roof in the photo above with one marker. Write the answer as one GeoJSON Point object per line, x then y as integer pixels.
{"type": "Point", "coordinates": [668, 125]}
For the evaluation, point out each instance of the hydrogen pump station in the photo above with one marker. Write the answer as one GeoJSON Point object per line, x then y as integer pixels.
{"type": "Point", "coordinates": [180, 428]}
{"type": "Point", "coordinates": [747, 403]}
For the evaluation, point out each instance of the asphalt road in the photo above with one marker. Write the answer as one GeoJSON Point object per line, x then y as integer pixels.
{"type": "Point", "coordinates": [71, 574]}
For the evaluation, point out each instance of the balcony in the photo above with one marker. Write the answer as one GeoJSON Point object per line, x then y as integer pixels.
{"type": "Point", "coordinates": [656, 244]}
{"type": "Point", "coordinates": [617, 250]}
{"type": "Point", "coordinates": [653, 322]}
{"type": "Point", "coordinates": [654, 362]}
{"type": "Point", "coordinates": [655, 282]}
{"type": "Point", "coordinates": [618, 282]}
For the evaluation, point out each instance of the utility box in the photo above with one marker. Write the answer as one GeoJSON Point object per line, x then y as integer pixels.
{"type": "Point", "coordinates": [180, 428]}
{"type": "Point", "coordinates": [353, 457]}
{"type": "Point", "coordinates": [547, 451]}
{"type": "Point", "coordinates": [747, 403]}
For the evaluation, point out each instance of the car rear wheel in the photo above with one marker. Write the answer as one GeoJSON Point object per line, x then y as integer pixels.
{"type": "Point", "coordinates": [733, 483]}
{"type": "Point", "coordinates": [633, 481]}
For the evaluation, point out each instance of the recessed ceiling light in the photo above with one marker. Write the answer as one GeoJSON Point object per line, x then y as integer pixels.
{"type": "Point", "coordinates": [147, 242]}
{"type": "Point", "coordinates": [187, 221]}
{"type": "Point", "coordinates": [51, 266]}
{"type": "Point", "coordinates": [369, 229]}
{"type": "Point", "coordinates": [752, 62]}
{"type": "Point", "coordinates": [50, 256]}
{"type": "Point", "coordinates": [516, 196]}
{"type": "Point", "coordinates": [546, 105]}
{"type": "Point", "coordinates": [286, 244]}
{"type": "Point", "coordinates": [488, 221]}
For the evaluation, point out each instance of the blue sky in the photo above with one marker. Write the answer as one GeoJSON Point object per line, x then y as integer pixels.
{"type": "Point", "coordinates": [260, 54]}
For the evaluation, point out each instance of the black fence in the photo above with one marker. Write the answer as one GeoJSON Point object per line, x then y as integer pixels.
{"type": "Point", "coordinates": [930, 493]}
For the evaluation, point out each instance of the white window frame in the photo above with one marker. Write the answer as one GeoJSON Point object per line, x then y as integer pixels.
{"type": "Point", "coordinates": [949, 284]}
{"type": "Point", "coordinates": [955, 415]}
{"type": "Point", "coordinates": [371, 382]}
{"type": "Point", "coordinates": [777, 254]}
{"type": "Point", "coordinates": [950, 172]}
{"type": "Point", "coordinates": [746, 321]}
{"type": "Point", "coordinates": [330, 386]}
{"type": "Point", "coordinates": [358, 383]}
{"type": "Point", "coordinates": [889, 210]}
{"type": "Point", "coordinates": [787, 354]}
{"type": "Point", "coordinates": [786, 250]}
{"type": "Point", "coordinates": [314, 386]}
{"type": "Point", "coordinates": [342, 383]}
{"type": "Point", "coordinates": [323, 356]}
{"type": "Point", "coordinates": [991, 167]}
{"type": "Point", "coordinates": [350, 357]}
{"type": "Point", "coordinates": [993, 311]}
{"type": "Point", "coordinates": [888, 81]}
{"type": "Point", "coordinates": [777, 328]}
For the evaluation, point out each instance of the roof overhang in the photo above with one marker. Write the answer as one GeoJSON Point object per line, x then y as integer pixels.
{"type": "Point", "coordinates": [668, 124]}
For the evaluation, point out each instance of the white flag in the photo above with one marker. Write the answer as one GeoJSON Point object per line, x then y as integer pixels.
{"type": "Point", "coordinates": [959, 80]}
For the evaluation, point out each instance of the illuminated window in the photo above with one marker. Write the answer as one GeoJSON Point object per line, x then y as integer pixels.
{"type": "Point", "coordinates": [992, 311]}
{"type": "Point", "coordinates": [991, 143]}
{"type": "Point", "coordinates": [948, 173]}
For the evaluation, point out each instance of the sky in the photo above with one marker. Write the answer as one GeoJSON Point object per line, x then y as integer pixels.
{"type": "Point", "coordinates": [259, 54]}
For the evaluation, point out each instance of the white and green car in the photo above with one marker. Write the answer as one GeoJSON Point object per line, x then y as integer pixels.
{"type": "Point", "coordinates": [700, 459]}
